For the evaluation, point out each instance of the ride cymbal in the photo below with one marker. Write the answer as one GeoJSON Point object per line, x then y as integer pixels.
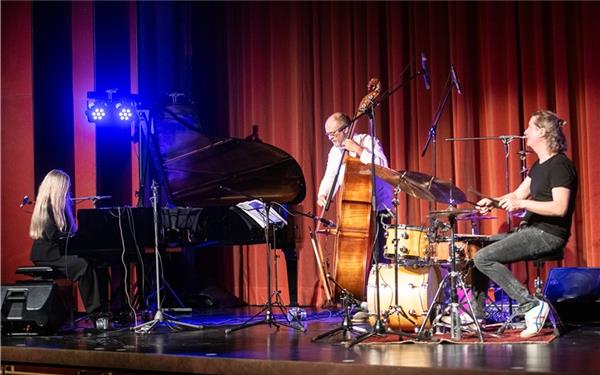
{"type": "Point", "coordinates": [422, 186]}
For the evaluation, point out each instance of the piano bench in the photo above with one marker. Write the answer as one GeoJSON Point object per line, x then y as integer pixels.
{"type": "Point", "coordinates": [40, 273]}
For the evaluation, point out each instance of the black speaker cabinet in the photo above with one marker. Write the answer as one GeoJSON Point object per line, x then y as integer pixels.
{"type": "Point", "coordinates": [32, 309]}
{"type": "Point", "coordinates": [575, 293]}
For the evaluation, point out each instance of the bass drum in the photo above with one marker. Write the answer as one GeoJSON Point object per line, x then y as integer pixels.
{"type": "Point", "coordinates": [416, 289]}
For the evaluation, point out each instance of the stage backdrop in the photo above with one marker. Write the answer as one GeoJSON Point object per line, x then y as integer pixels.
{"type": "Point", "coordinates": [286, 67]}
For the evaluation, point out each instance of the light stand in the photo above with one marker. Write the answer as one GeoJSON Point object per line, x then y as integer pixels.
{"type": "Point", "coordinates": [267, 309]}
{"type": "Point", "coordinates": [160, 316]}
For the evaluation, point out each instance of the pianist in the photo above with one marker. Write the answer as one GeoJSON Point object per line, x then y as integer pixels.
{"type": "Point", "coordinates": [52, 223]}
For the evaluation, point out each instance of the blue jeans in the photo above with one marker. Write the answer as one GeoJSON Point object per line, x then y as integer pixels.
{"type": "Point", "coordinates": [528, 243]}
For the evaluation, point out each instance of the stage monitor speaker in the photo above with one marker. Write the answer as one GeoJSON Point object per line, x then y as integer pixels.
{"type": "Point", "coordinates": [575, 293]}
{"type": "Point", "coordinates": [32, 308]}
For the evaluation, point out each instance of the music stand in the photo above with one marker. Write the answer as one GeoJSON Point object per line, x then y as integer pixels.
{"type": "Point", "coordinates": [267, 309]}
{"type": "Point", "coordinates": [160, 316]}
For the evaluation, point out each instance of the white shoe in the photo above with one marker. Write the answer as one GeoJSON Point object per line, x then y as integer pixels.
{"type": "Point", "coordinates": [535, 320]}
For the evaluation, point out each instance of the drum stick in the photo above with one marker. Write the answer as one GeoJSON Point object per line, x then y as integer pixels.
{"type": "Point", "coordinates": [495, 202]}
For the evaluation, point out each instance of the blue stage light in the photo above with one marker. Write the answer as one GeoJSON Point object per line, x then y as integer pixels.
{"type": "Point", "coordinates": [123, 112]}
{"type": "Point", "coordinates": [97, 112]}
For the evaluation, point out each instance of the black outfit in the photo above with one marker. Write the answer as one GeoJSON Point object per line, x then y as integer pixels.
{"type": "Point", "coordinates": [558, 171]}
{"type": "Point", "coordinates": [50, 251]}
{"type": "Point", "coordinates": [540, 236]}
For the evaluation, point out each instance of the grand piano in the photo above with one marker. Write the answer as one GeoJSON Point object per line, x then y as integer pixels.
{"type": "Point", "coordinates": [201, 180]}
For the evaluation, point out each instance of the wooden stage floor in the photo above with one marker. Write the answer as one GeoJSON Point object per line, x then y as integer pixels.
{"type": "Point", "coordinates": [263, 349]}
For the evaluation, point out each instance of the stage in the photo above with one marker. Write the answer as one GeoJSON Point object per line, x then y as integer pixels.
{"type": "Point", "coordinates": [264, 349]}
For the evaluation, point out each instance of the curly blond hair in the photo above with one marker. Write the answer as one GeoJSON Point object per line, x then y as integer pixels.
{"type": "Point", "coordinates": [553, 124]}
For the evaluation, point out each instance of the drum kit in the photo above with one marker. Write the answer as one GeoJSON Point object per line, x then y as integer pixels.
{"type": "Point", "coordinates": [411, 289]}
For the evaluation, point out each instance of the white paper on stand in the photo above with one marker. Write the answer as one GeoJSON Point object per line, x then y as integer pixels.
{"type": "Point", "coordinates": [256, 210]}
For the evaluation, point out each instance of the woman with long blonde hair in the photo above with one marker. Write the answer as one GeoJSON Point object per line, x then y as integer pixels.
{"type": "Point", "coordinates": [52, 223]}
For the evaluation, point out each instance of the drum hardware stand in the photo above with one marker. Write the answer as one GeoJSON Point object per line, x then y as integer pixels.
{"type": "Point", "coordinates": [456, 281]}
{"type": "Point", "coordinates": [397, 309]}
{"type": "Point", "coordinates": [267, 309]}
{"type": "Point", "coordinates": [347, 327]}
{"type": "Point", "coordinates": [160, 316]}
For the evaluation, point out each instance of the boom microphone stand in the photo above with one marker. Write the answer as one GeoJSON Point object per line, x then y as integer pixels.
{"type": "Point", "coordinates": [432, 137]}
{"type": "Point", "coordinates": [378, 328]}
{"type": "Point", "coordinates": [347, 327]}
{"type": "Point", "coordinates": [160, 316]}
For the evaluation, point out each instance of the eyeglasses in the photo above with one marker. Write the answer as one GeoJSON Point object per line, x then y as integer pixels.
{"type": "Point", "coordinates": [336, 132]}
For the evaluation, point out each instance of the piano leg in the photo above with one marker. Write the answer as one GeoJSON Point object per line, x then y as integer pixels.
{"type": "Point", "coordinates": [291, 264]}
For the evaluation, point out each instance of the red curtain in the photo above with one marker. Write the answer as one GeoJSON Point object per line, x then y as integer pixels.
{"type": "Point", "coordinates": [290, 65]}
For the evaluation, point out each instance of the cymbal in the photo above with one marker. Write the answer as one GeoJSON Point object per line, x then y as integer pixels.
{"type": "Point", "coordinates": [394, 178]}
{"type": "Point", "coordinates": [452, 211]}
{"type": "Point", "coordinates": [422, 186]}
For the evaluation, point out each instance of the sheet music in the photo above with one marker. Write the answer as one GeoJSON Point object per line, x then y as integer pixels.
{"type": "Point", "coordinates": [256, 210]}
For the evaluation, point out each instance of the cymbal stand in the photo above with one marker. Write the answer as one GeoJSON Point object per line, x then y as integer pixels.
{"type": "Point", "coordinates": [160, 316]}
{"type": "Point", "coordinates": [347, 328]}
{"type": "Point", "coordinates": [397, 308]}
{"type": "Point", "coordinates": [267, 309]}
{"type": "Point", "coordinates": [455, 279]}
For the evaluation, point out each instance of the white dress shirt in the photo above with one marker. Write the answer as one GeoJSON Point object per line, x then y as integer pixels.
{"type": "Point", "coordinates": [384, 191]}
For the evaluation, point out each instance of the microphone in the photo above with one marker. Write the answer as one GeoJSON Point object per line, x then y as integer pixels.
{"type": "Point", "coordinates": [25, 201]}
{"type": "Point", "coordinates": [327, 222]}
{"type": "Point", "coordinates": [101, 197]}
{"type": "Point", "coordinates": [455, 80]}
{"type": "Point", "coordinates": [92, 198]}
{"type": "Point", "coordinates": [425, 71]}
{"type": "Point", "coordinates": [389, 212]}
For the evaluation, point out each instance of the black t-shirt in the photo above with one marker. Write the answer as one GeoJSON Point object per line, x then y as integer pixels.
{"type": "Point", "coordinates": [558, 171]}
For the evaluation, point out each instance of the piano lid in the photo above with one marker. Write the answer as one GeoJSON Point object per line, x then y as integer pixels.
{"type": "Point", "coordinates": [197, 167]}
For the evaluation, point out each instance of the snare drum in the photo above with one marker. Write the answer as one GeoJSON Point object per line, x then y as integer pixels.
{"type": "Point", "coordinates": [416, 288]}
{"type": "Point", "coordinates": [466, 246]}
{"type": "Point", "coordinates": [412, 243]}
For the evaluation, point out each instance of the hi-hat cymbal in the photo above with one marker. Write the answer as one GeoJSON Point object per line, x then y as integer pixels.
{"type": "Point", "coordinates": [422, 186]}
{"type": "Point", "coordinates": [475, 216]}
{"type": "Point", "coordinates": [452, 211]}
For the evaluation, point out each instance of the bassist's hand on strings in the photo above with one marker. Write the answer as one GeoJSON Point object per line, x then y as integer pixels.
{"type": "Point", "coordinates": [352, 146]}
{"type": "Point", "coordinates": [322, 200]}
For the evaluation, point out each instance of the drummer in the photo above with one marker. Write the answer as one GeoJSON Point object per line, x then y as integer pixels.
{"type": "Point", "coordinates": [337, 129]}
{"type": "Point", "coordinates": [548, 194]}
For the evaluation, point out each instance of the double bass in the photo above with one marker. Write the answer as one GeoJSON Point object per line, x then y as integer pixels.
{"type": "Point", "coordinates": [353, 235]}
